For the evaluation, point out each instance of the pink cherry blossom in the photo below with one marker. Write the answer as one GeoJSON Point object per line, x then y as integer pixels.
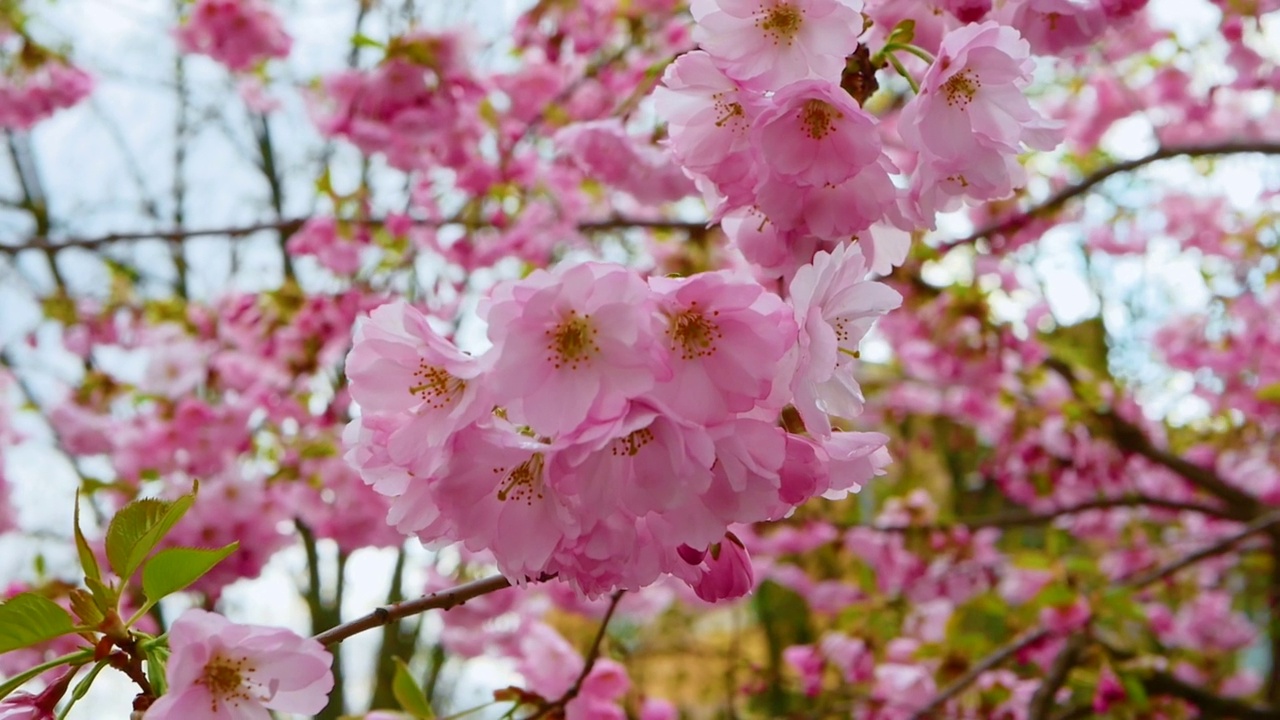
{"type": "Point", "coordinates": [236, 33]}
{"type": "Point", "coordinates": [971, 118]}
{"type": "Point", "coordinates": [604, 150]}
{"type": "Point", "coordinates": [220, 669]}
{"type": "Point", "coordinates": [494, 494]}
{"type": "Point", "coordinates": [726, 571]}
{"type": "Point", "coordinates": [399, 364]}
{"type": "Point", "coordinates": [30, 96]}
{"type": "Point", "coordinates": [572, 344]}
{"type": "Point", "coordinates": [725, 337]}
{"type": "Point", "coordinates": [418, 107]}
{"type": "Point", "coordinates": [768, 43]}
{"type": "Point", "coordinates": [813, 133]}
{"type": "Point", "coordinates": [831, 212]}
{"type": "Point", "coordinates": [709, 117]}
{"type": "Point", "coordinates": [1056, 26]}
{"type": "Point", "coordinates": [24, 706]}
{"type": "Point", "coordinates": [335, 248]}
{"type": "Point", "coordinates": [658, 709]}
{"type": "Point", "coordinates": [808, 664]}
{"type": "Point", "coordinates": [836, 306]}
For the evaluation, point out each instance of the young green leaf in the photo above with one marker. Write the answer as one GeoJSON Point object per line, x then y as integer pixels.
{"type": "Point", "coordinates": [175, 568]}
{"type": "Point", "coordinates": [139, 526]}
{"type": "Point", "coordinates": [411, 698]}
{"type": "Point", "coordinates": [88, 561]}
{"type": "Point", "coordinates": [29, 619]}
{"type": "Point", "coordinates": [85, 606]}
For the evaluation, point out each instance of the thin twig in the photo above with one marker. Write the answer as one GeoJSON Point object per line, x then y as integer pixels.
{"type": "Point", "coordinates": [443, 600]}
{"type": "Point", "coordinates": [593, 654]}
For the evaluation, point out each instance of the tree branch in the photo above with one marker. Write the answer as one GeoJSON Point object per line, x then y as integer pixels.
{"type": "Point", "coordinates": [1132, 439]}
{"type": "Point", "coordinates": [1022, 518]}
{"type": "Point", "coordinates": [443, 600]}
{"type": "Point", "coordinates": [1210, 705]}
{"type": "Point", "coordinates": [1057, 200]}
{"type": "Point", "coordinates": [291, 225]}
{"type": "Point", "coordinates": [1003, 653]}
{"type": "Point", "coordinates": [1217, 548]}
{"type": "Point", "coordinates": [990, 662]}
{"type": "Point", "coordinates": [556, 708]}
{"type": "Point", "coordinates": [1042, 701]}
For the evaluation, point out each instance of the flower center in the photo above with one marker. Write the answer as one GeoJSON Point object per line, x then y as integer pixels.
{"type": "Point", "coordinates": [631, 444]}
{"type": "Point", "coordinates": [693, 334]}
{"type": "Point", "coordinates": [961, 88]}
{"type": "Point", "coordinates": [572, 342]}
{"type": "Point", "coordinates": [435, 386]}
{"type": "Point", "coordinates": [729, 114]}
{"type": "Point", "coordinates": [782, 21]}
{"type": "Point", "coordinates": [225, 679]}
{"type": "Point", "coordinates": [817, 117]}
{"type": "Point", "coordinates": [522, 483]}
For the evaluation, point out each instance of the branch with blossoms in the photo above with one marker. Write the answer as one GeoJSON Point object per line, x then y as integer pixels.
{"type": "Point", "coordinates": [1019, 644]}
{"type": "Point", "coordinates": [1130, 438]}
{"type": "Point", "coordinates": [1044, 209]}
{"type": "Point", "coordinates": [443, 600]}
{"type": "Point", "coordinates": [179, 235]}
{"type": "Point", "coordinates": [1022, 518]}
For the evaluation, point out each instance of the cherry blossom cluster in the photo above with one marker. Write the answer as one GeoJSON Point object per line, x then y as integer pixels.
{"type": "Point", "coordinates": [760, 117]}
{"type": "Point", "coordinates": [240, 34]}
{"type": "Point", "coordinates": [617, 428]}
{"type": "Point", "coordinates": [418, 106]}
{"type": "Point", "coordinates": [28, 96]}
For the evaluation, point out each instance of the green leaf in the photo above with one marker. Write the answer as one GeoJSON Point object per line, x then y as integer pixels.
{"type": "Point", "coordinates": [902, 33]}
{"type": "Point", "coordinates": [82, 688]}
{"type": "Point", "coordinates": [1082, 346]}
{"type": "Point", "coordinates": [106, 596]}
{"type": "Point", "coordinates": [411, 698]}
{"type": "Point", "coordinates": [1269, 393]}
{"type": "Point", "coordinates": [175, 568]}
{"type": "Point", "coordinates": [1134, 689]}
{"type": "Point", "coordinates": [88, 561]}
{"type": "Point", "coordinates": [156, 657]}
{"type": "Point", "coordinates": [85, 606]}
{"type": "Point", "coordinates": [360, 40]}
{"type": "Point", "coordinates": [139, 526]}
{"type": "Point", "coordinates": [29, 619]}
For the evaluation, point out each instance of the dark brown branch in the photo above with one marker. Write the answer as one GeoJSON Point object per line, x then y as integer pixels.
{"type": "Point", "coordinates": [1210, 705]}
{"type": "Point", "coordinates": [990, 662]}
{"type": "Point", "coordinates": [1056, 201]}
{"type": "Point", "coordinates": [1132, 439]}
{"type": "Point", "coordinates": [1042, 702]}
{"type": "Point", "coordinates": [1007, 651]}
{"type": "Point", "coordinates": [1023, 518]}
{"type": "Point", "coordinates": [288, 226]}
{"type": "Point", "coordinates": [1217, 548]}
{"type": "Point", "coordinates": [443, 600]}
{"type": "Point", "coordinates": [1272, 688]}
